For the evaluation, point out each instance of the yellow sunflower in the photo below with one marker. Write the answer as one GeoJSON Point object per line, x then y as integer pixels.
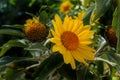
{"type": "Point", "coordinates": [71, 39]}
{"type": "Point", "coordinates": [34, 30]}
{"type": "Point", "coordinates": [65, 6]}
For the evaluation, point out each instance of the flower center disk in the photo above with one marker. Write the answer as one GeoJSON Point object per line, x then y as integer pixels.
{"type": "Point", "coordinates": [69, 40]}
{"type": "Point", "coordinates": [66, 8]}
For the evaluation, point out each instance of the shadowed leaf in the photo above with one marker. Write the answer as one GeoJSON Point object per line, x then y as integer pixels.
{"type": "Point", "coordinates": [12, 32]}
{"type": "Point", "coordinates": [10, 44]}
{"type": "Point", "coordinates": [101, 6]}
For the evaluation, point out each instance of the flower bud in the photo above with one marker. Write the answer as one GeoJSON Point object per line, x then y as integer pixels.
{"type": "Point", "coordinates": [35, 31]}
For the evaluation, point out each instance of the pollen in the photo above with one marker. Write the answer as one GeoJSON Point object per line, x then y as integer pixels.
{"type": "Point", "coordinates": [69, 40]}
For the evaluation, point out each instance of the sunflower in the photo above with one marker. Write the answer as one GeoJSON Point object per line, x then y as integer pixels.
{"type": "Point", "coordinates": [65, 6]}
{"type": "Point", "coordinates": [34, 30]}
{"type": "Point", "coordinates": [71, 39]}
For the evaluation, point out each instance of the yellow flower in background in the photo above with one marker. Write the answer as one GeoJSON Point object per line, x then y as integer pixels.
{"type": "Point", "coordinates": [65, 6]}
{"type": "Point", "coordinates": [71, 39]}
{"type": "Point", "coordinates": [34, 30]}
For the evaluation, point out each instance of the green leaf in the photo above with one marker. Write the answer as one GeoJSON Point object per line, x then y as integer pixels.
{"type": "Point", "coordinates": [115, 18]}
{"type": "Point", "coordinates": [36, 47]}
{"type": "Point", "coordinates": [43, 17]}
{"type": "Point", "coordinates": [115, 58]}
{"type": "Point", "coordinates": [16, 26]}
{"type": "Point", "coordinates": [17, 61]}
{"type": "Point", "coordinates": [10, 44]}
{"type": "Point", "coordinates": [5, 60]}
{"type": "Point", "coordinates": [86, 18]}
{"type": "Point", "coordinates": [115, 24]}
{"type": "Point", "coordinates": [12, 32]}
{"type": "Point", "coordinates": [118, 28]}
{"type": "Point", "coordinates": [101, 6]}
{"type": "Point", "coordinates": [48, 65]}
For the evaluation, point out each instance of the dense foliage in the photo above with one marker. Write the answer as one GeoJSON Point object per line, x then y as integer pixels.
{"type": "Point", "coordinates": [25, 55]}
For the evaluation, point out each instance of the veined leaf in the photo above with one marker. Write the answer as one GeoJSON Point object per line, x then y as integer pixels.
{"type": "Point", "coordinates": [12, 32]}
{"type": "Point", "coordinates": [101, 6]}
{"type": "Point", "coordinates": [10, 44]}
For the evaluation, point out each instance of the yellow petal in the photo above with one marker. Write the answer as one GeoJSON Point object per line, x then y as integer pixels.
{"type": "Point", "coordinates": [55, 48]}
{"type": "Point", "coordinates": [73, 63]}
{"type": "Point", "coordinates": [66, 56]}
{"type": "Point", "coordinates": [68, 23]}
{"type": "Point", "coordinates": [79, 58]}
{"type": "Point", "coordinates": [86, 34]}
{"type": "Point", "coordinates": [54, 34]}
{"type": "Point", "coordinates": [57, 30]}
{"type": "Point", "coordinates": [66, 20]}
{"type": "Point", "coordinates": [58, 20]}
{"type": "Point", "coordinates": [86, 53]}
{"type": "Point", "coordinates": [76, 24]}
{"type": "Point", "coordinates": [79, 28]}
{"type": "Point", "coordinates": [85, 41]}
{"type": "Point", "coordinates": [55, 40]}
